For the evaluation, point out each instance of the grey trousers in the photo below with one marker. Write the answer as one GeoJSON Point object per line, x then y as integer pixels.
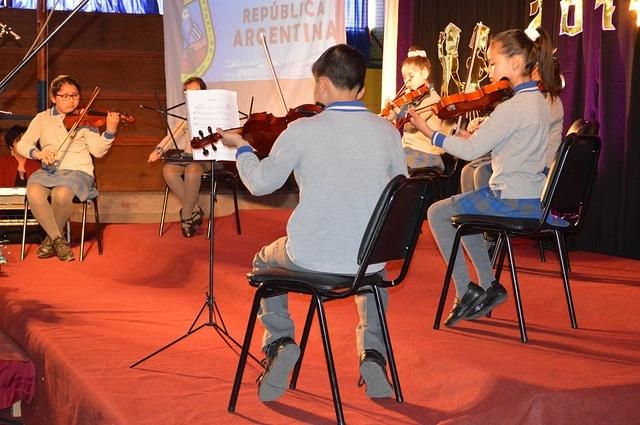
{"type": "Point", "coordinates": [274, 311]}
{"type": "Point", "coordinates": [439, 216]}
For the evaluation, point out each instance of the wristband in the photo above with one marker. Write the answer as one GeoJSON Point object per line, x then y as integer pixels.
{"type": "Point", "coordinates": [242, 149]}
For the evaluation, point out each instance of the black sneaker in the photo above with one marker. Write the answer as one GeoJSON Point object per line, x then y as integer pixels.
{"type": "Point", "coordinates": [373, 373]}
{"type": "Point", "coordinates": [282, 356]}
{"type": "Point", "coordinates": [494, 296]}
{"type": "Point", "coordinates": [461, 307]}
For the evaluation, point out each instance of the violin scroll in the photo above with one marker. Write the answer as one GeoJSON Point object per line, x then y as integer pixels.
{"type": "Point", "coordinates": [199, 142]}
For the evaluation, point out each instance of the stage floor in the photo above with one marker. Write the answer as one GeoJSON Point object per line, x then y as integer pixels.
{"type": "Point", "coordinates": [83, 324]}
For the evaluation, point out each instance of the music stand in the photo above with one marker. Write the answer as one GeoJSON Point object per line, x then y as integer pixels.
{"type": "Point", "coordinates": [209, 303]}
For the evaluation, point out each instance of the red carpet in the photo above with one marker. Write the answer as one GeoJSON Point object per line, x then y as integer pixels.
{"type": "Point", "coordinates": [83, 324]}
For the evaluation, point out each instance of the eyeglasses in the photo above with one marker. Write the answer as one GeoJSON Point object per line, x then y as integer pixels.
{"type": "Point", "coordinates": [68, 96]}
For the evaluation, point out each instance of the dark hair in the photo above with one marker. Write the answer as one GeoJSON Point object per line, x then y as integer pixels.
{"type": "Point", "coordinates": [343, 65]}
{"type": "Point", "coordinates": [535, 53]}
{"type": "Point", "coordinates": [13, 134]}
{"type": "Point", "coordinates": [60, 81]}
{"type": "Point", "coordinates": [421, 62]}
{"type": "Point", "coordinates": [200, 81]}
{"type": "Point", "coordinates": [558, 78]}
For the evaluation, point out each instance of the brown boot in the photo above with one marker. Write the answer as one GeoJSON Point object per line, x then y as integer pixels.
{"type": "Point", "coordinates": [45, 250]}
{"type": "Point", "coordinates": [61, 246]}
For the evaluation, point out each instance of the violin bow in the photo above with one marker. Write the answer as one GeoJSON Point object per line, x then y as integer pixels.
{"type": "Point", "coordinates": [72, 131]}
{"type": "Point", "coordinates": [273, 71]}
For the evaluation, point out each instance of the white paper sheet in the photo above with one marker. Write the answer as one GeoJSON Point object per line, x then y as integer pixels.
{"type": "Point", "coordinates": [210, 109]}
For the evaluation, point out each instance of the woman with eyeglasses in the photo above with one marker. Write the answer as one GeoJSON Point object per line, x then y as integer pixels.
{"type": "Point", "coordinates": [67, 164]}
{"type": "Point", "coordinates": [183, 178]}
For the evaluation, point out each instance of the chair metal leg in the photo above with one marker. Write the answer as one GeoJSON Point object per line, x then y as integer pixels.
{"type": "Point", "coordinates": [303, 343]}
{"type": "Point", "coordinates": [496, 251]}
{"type": "Point", "coordinates": [447, 280]}
{"type": "Point", "coordinates": [24, 227]}
{"type": "Point", "coordinates": [387, 342]}
{"type": "Point", "coordinates": [563, 239]}
{"type": "Point", "coordinates": [337, 404]}
{"type": "Point", "coordinates": [244, 353]}
{"type": "Point", "coordinates": [564, 267]}
{"type": "Point", "coordinates": [500, 254]}
{"type": "Point", "coordinates": [498, 259]}
{"type": "Point", "coordinates": [516, 290]}
{"type": "Point", "coordinates": [98, 226]}
{"type": "Point", "coordinates": [84, 222]}
{"type": "Point", "coordinates": [164, 209]}
{"type": "Point", "coordinates": [543, 257]}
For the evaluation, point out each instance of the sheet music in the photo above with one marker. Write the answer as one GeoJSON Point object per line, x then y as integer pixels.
{"type": "Point", "coordinates": [212, 108]}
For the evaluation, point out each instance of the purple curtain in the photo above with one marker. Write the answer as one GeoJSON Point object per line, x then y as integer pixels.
{"type": "Point", "coordinates": [597, 66]}
{"type": "Point", "coordinates": [602, 70]}
{"type": "Point", "coordinates": [405, 34]}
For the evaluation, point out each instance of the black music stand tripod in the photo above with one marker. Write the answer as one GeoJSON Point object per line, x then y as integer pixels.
{"type": "Point", "coordinates": [214, 318]}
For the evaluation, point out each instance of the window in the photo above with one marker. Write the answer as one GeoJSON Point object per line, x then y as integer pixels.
{"type": "Point", "coordinates": [110, 6]}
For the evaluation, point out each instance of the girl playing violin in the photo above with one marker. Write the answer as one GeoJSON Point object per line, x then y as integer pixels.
{"type": "Point", "coordinates": [184, 178]}
{"type": "Point", "coordinates": [476, 174]}
{"type": "Point", "coordinates": [416, 72]}
{"type": "Point", "coordinates": [516, 133]}
{"type": "Point", "coordinates": [67, 163]}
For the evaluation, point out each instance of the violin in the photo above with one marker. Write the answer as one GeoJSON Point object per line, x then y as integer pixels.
{"type": "Point", "coordinates": [485, 97]}
{"type": "Point", "coordinates": [92, 119]}
{"type": "Point", "coordinates": [261, 129]}
{"type": "Point", "coordinates": [406, 99]}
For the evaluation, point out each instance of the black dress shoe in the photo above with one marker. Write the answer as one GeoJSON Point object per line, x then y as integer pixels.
{"type": "Point", "coordinates": [461, 307]}
{"type": "Point", "coordinates": [187, 225]}
{"type": "Point", "coordinates": [495, 295]}
{"type": "Point", "coordinates": [196, 216]}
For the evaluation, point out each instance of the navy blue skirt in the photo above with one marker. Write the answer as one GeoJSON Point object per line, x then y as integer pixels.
{"type": "Point", "coordinates": [80, 183]}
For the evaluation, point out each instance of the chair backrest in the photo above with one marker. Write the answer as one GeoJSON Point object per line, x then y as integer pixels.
{"type": "Point", "coordinates": [571, 177]}
{"type": "Point", "coordinates": [584, 127]}
{"type": "Point", "coordinates": [395, 224]}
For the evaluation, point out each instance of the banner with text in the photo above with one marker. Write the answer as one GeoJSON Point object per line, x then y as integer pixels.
{"type": "Point", "coordinates": [221, 42]}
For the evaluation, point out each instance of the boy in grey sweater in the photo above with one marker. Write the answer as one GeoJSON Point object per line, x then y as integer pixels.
{"type": "Point", "coordinates": [342, 159]}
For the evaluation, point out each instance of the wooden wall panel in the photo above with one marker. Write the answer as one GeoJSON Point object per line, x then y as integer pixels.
{"type": "Point", "coordinates": [123, 54]}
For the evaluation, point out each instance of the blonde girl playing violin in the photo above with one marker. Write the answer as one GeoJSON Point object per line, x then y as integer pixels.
{"type": "Point", "coordinates": [516, 134]}
{"type": "Point", "coordinates": [419, 152]}
{"type": "Point", "coordinates": [67, 163]}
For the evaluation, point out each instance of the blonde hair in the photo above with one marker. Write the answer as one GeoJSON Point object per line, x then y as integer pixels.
{"type": "Point", "coordinates": [418, 60]}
